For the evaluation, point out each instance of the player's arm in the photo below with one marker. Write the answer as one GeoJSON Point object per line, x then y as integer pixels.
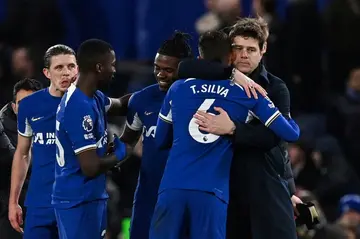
{"type": "Point", "coordinates": [257, 135]}
{"type": "Point", "coordinates": [272, 118]}
{"type": "Point", "coordinates": [92, 165]}
{"type": "Point", "coordinates": [78, 124]}
{"type": "Point", "coordinates": [20, 167]}
{"type": "Point", "coordinates": [133, 127]}
{"type": "Point", "coordinates": [119, 106]}
{"type": "Point", "coordinates": [21, 159]}
{"type": "Point", "coordinates": [164, 127]}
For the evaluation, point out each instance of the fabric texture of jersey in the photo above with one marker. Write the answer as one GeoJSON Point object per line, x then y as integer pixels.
{"type": "Point", "coordinates": [36, 119]}
{"type": "Point", "coordinates": [40, 223]}
{"type": "Point", "coordinates": [80, 125]}
{"type": "Point", "coordinates": [198, 160]}
{"type": "Point", "coordinates": [143, 111]}
{"type": "Point", "coordinates": [87, 220]}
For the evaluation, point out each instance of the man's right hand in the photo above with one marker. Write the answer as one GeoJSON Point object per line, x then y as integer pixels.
{"type": "Point", "coordinates": [16, 217]}
{"type": "Point", "coordinates": [251, 88]}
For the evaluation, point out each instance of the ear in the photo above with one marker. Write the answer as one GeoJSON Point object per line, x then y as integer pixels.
{"type": "Point", "coordinates": [98, 68]}
{"type": "Point", "coordinates": [46, 72]}
{"type": "Point", "coordinates": [13, 106]}
{"type": "Point", "coordinates": [264, 49]}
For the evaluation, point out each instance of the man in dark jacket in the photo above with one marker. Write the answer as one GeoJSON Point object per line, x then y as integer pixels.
{"type": "Point", "coordinates": [8, 142]}
{"type": "Point", "coordinates": [260, 198]}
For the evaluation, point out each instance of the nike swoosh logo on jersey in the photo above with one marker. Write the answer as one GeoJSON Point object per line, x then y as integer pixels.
{"type": "Point", "coordinates": [148, 113]}
{"type": "Point", "coordinates": [36, 119]}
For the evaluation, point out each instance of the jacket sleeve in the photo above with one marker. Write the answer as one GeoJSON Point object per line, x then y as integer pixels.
{"type": "Point", "coordinates": [258, 136]}
{"type": "Point", "coordinates": [7, 150]}
{"type": "Point", "coordinates": [254, 136]}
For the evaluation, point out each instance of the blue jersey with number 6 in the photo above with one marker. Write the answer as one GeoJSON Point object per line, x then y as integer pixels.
{"type": "Point", "coordinates": [80, 126]}
{"type": "Point", "coordinates": [198, 160]}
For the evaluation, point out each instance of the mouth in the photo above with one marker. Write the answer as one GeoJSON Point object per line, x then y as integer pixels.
{"type": "Point", "coordinates": [163, 82]}
{"type": "Point", "coordinates": [243, 64]}
{"type": "Point", "coordinates": [65, 83]}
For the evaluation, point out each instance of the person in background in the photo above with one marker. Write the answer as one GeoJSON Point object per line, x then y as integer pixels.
{"type": "Point", "coordinates": [8, 142]}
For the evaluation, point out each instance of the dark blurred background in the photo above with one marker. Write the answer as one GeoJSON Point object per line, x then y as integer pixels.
{"type": "Point", "coordinates": [313, 46]}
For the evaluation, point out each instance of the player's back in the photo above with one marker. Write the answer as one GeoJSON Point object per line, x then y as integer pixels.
{"type": "Point", "coordinates": [80, 125]}
{"type": "Point", "coordinates": [36, 119]}
{"type": "Point", "coordinates": [198, 160]}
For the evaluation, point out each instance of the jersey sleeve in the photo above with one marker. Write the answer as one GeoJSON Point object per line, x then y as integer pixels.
{"type": "Point", "coordinates": [79, 126]}
{"type": "Point", "coordinates": [105, 100]}
{"type": "Point", "coordinates": [164, 127]}
{"type": "Point", "coordinates": [165, 113]}
{"type": "Point", "coordinates": [271, 117]}
{"type": "Point", "coordinates": [133, 120]}
{"type": "Point", "coordinates": [23, 120]}
{"type": "Point", "coordinates": [265, 110]}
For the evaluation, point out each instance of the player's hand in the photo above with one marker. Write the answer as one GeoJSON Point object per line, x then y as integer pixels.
{"type": "Point", "coordinates": [74, 78]}
{"type": "Point", "coordinates": [251, 88]}
{"type": "Point", "coordinates": [16, 217]}
{"type": "Point", "coordinates": [119, 148]}
{"type": "Point", "coordinates": [295, 200]}
{"type": "Point", "coordinates": [220, 124]}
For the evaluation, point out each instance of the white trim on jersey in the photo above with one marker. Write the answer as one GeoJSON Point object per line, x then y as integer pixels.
{"type": "Point", "coordinates": [108, 107]}
{"type": "Point", "coordinates": [69, 93]}
{"type": "Point", "coordinates": [28, 130]}
{"type": "Point", "coordinates": [189, 79]}
{"type": "Point", "coordinates": [272, 118]}
{"type": "Point", "coordinates": [87, 147]}
{"type": "Point", "coordinates": [136, 124]}
{"type": "Point", "coordinates": [167, 118]}
{"type": "Point", "coordinates": [239, 85]}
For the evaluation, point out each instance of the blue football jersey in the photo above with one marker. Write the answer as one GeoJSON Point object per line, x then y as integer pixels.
{"type": "Point", "coordinates": [80, 125]}
{"type": "Point", "coordinates": [143, 111]}
{"type": "Point", "coordinates": [199, 160]}
{"type": "Point", "coordinates": [36, 119]}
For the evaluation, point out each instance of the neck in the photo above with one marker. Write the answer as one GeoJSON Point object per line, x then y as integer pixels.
{"type": "Point", "coordinates": [87, 84]}
{"type": "Point", "coordinates": [54, 92]}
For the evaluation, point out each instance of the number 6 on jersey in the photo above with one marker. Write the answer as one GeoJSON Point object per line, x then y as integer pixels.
{"type": "Point", "coordinates": [194, 128]}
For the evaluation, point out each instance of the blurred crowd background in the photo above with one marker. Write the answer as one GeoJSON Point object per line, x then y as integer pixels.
{"type": "Point", "coordinates": [313, 46]}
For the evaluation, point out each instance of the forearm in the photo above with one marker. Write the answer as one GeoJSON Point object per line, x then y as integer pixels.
{"type": "Point", "coordinates": [119, 106]}
{"type": "Point", "coordinates": [104, 164]}
{"type": "Point", "coordinates": [20, 167]}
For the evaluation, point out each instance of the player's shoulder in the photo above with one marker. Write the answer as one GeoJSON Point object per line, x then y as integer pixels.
{"type": "Point", "coordinates": [99, 94]}
{"type": "Point", "coordinates": [35, 97]}
{"type": "Point", "coordinates": [75, 100]}
{"type": "Point", "coordinates": [179, 83]}
{"type": "Point", "coordinates": [29, 104]}
{"type": "Point", "coordinates": [144, 94]}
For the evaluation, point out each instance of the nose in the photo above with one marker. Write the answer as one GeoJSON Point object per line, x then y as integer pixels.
{"type": "Point", "coordinates": [244, 54]}
{"type": "Point", "coordinates": [161, 74]}
{"type": "Point", "coordinates": [66, 71]}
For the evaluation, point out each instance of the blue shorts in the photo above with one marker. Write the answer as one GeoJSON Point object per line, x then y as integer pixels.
{"type": "Point", "coordinates": [86, 220]}
{"type": "Point", "coordinates": [40, 223]}
{"type": "Point", "coordinates": [141, 219]}
{"type": "Point", "coordinates": [187, 213]}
